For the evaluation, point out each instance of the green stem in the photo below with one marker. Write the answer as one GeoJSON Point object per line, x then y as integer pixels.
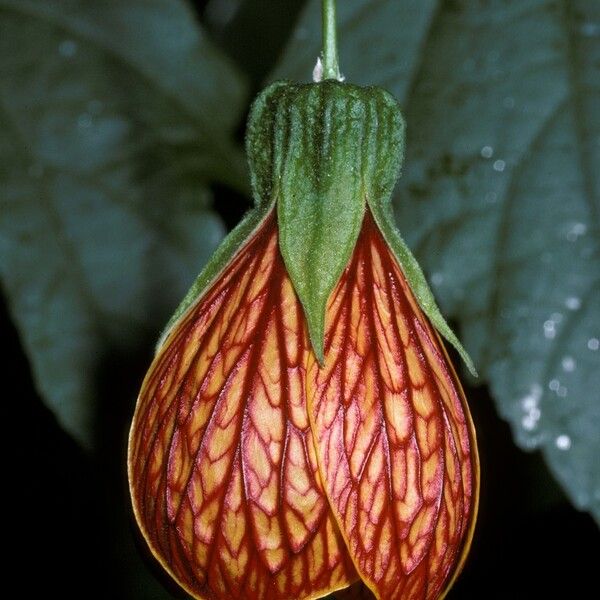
{"type": "Point", "coordinates": [331, 68]}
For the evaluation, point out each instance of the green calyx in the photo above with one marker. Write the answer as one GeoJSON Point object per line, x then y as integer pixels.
{"type": "Point", "coordinates": [322, 154]}
{"type": "Point", "coordinates": [320, 151]}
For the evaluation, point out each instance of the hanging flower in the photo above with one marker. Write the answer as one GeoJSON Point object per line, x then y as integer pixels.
{"type": "Point", "coordinates": [301, 427]}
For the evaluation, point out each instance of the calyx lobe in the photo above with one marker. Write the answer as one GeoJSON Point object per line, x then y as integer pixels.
{"type": "Point", "coordinates": [322, 152]}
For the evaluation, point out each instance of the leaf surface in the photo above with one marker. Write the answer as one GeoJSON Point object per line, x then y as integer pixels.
{"type": "Point", "coordinates": [115, 115]}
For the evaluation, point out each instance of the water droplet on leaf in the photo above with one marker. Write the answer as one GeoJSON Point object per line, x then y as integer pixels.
{"type": "Point", "coordinates": [549, 329]}
{"type": "Point", "coordinates": [531, 407]}
{"type": "Point", "coordinates": [563, 442]}
{"type": "Point", "coordinates": [575, 231]}
{"type": "Point", "coordinates": [437, 278]}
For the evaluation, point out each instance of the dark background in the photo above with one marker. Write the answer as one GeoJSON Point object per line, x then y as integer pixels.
{"type": "Point", "coordinates": [76, 532]}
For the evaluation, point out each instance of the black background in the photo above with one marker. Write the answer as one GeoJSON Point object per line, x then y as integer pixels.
{"type": "Point", "coordinates": [74, 534]}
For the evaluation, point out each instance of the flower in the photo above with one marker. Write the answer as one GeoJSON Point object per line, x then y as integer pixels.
{"type": "Point", "coordinates": [284, 447]}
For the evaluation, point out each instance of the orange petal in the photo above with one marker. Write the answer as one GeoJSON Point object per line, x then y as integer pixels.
{"type": "Point", "coordinates": [394, 438]}
{"type": "Point", "coordinates": [223, 470]}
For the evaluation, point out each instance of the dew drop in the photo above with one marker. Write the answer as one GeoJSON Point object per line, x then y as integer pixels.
{"type": "Point", "coordinates": [568, 364]}
{"type": "Point", "coordinates": [549, 329]}
{"type": "Point", "coordinates": [593, 344]}
{"type": "Point", "coordinates": [487, 152]}
{"type": "Point", "coordinates": [575, 231]}
{"type": "Point", "coordinates": [437, 278]}
{"type": "Point", "coordinates": [563, 442]}
{"type": "Point", "coordinates": [530, 405]}
{"type": "Point", "coordinates": [573, 303]}
{"type": "Point", "coordinates": [499, 165]}
{"type": "Point", "coordinates": [67, 48]}
{"type": "Point", "coordinates": [554, 385]}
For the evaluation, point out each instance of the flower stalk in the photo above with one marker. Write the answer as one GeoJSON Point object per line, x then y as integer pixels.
{"type": "Point", "coordinates": [331, 68]}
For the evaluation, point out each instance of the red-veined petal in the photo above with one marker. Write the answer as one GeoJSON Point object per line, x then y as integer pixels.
{"type": "Point", "coordinates": [394, 438]}
{"type": "Point", "coordinates": [223, 468]}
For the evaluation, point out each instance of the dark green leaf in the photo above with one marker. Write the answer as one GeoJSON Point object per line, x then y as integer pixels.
{"type": "Point", "coordinates": [500, 196]}
{"type": "Point", "coordinates": [114, 116]}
